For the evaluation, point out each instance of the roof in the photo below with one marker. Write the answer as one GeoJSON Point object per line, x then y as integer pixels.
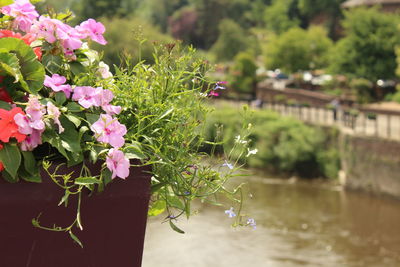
{"type": "Point", "coordinates": [355, 3]}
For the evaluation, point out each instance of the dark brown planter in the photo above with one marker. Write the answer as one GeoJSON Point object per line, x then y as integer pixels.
{"type": "Point", "coordinates": [114, 224]}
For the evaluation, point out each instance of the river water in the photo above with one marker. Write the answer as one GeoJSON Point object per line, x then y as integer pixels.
{"type": "Point", "coordinates": [298, 224]}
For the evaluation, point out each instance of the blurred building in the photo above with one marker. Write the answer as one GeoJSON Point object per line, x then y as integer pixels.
{"type": "Point", "coordinates": [386, 5]}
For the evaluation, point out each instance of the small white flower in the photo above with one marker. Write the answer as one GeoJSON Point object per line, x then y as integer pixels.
{"type": "Point", "coordinates": [230, 166]}
{"type": "Point", "coordinates": [230, 213]}
{"type": "Point", "coordinates": [104, 70]}
{"type": "Point", "coordinates": [238, 140]}
{"type": "Point", "coordinates": [251, 152]}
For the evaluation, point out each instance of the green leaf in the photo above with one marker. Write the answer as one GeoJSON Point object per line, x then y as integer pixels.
{"type": "Point", "coordinates": [70, 139]}
{"type": "Point", "coordinates": [134, 151]}
{"type": "Point", "coordinates": [10, 156]}
{"type": "Point", "coordinates": [60, 98]}
{"type": "Point", "coordinates": [174, 201]}
{"type": "Point", "coordinates": [77, 68]}
{"type": "Point", "coordinates": [31, 69]}
{"type": "Point", "coordinates": [157, 208]}
{"type": "Point", "coordinates": [6, 2]}
{"type": "Point", "coordinates": [64, 199]}
{"type": "Point", "coordinates": [74, 107]}
{"type": "Point", "coordinates": [86, 181]}
{"type": "Point", "coordinates": [166, 113]}
{"type": "Point", "coordinates": [92, 118]}
{"type": "Point", "coordinates": [5, 105]}
{"type": "Point", "coordinates": [9, 65]}
{"type": "Point", "coordinates": [34, 178]}
{"type": "Point", "coordinates": [8, 177]}
{"type": "Point", "coordinates": [75, 238]}
{"type": "Point", "coordinates": [54, 140]}
{"type": "Point", "coordinates": [106, 178]}
{"type": "Point", "coordinates": [175, 228]}
{"type": "Point", "coordinates": [156, 187]}
{"type": "Point", "coordinates": [74, 119]}
{"type": "Point", "coordinates": [52, 63]}
{"type": "Point", "coordinates": [31, 169]}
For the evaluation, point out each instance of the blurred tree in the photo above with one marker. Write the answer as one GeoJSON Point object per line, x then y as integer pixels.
{"type": "Point", "coordinates": [257, 12]}
{"type": "Point", "coordinates": [182, 25]}
{"type": "Point", "coordinates": [242, 75]}
{"type": "Point", "coordinates": [157, 12]}
{"type": "Point", "coordinates": [368, 50]}
{"type": "Point", "coordinates": [298, 49]}
{"type": "Point", "coordinates": [232, 39]}
{"type": "Point", "coordinates": [105, 8]}
{"type": "Point", "coordinates": [210, 14]}
{"type": "Point", "coordinates": [319, 47]}
{"type": "Point", "coordinates": [330, 8]}
{"type": "Point", "coordinates": [277, 16]}
{"type": "Point", "coordinates": [126, 42]}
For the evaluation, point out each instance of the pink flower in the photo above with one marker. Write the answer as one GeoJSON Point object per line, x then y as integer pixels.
{"type": "Point", "coordinates": [213, 93]}
{"type": "Point", "coordinates": [32, 141]}
{"type": "Point", "coordinates": [57, 83]}
{"type": "Point", "coordinates": [33, 118]}
{"type": "Point", "coordinates": [112, 110]}
{"type": "Point", "coordinates": [109, 130]}
{"type": "Point", "coordinates": [87, 96]}
{"type": "Point", "coordinates": [23, 12]}
{"type": "Point", "coordinates": [106, 96]}
{"type": "Point", "coordinates": [55, 113]}
{"type": "Point", "coordinates": [94, 30]}
{"type": "Point", "coordinates": [45, 28]}
{"type": "Point", "coordinates": [70, 38]}
{"type": "Point", "coordinates": [35, 109]}
{"type": "Point", "coordinates": [117, 163]}
{"type": "Point", "coordinates": [52, 30]}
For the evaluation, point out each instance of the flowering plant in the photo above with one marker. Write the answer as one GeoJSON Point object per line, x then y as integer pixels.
{"type": "Point", "coordinates": [59, 101]}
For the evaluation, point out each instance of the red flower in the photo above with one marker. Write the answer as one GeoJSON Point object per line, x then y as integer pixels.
{"type": "Point", "coordinates": [38, 52]}
{"type": "Point", "coordinates": [8, 126]}
{"type": "Point", "coordinates": [7, 33]}
{"type": "Point", "coordinates": [4, 96]}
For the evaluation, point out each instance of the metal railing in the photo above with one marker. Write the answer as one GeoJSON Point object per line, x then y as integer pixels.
{"type": "Point", "coordinates": [361, 123]}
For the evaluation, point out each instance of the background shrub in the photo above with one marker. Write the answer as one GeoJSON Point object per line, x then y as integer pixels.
{"type": "Point", "coordinates": [285, 145]}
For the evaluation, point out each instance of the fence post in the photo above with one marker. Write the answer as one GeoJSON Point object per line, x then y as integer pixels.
{"type": "Point", "coordinates": [388, 126]}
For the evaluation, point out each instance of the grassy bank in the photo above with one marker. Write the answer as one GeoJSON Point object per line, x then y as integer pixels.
{"type": "Point", "coordinates": [286, 146]}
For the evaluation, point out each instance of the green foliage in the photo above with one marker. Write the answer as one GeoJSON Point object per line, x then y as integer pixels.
{"type": "Point", "coordinates": [18, 60]}
{"type": "Point", "coordinates": [368, 49]}
{"type": "Point", "coordinates": [126, 41]}
{"type": "Point", "coordinates": [5, 2]}
{"type": "Point", "coordinates": [285, 145]}
{"type": "Point", "coordinates": [277, 17]}
{"type": "Point", "coordinates": [232, 39]}
{"type": "Point", "coordinates": [298, 49]}
{"type": "Point", "coordinates": [158, 12]}
{"type": "Point", "coordinates": [164, 111]}
{"type": "Point", "coordinates": [210, 14]}
{"type": "Point", "coordinates": [312, 8]}
{"type": "Point", "coordinates": [395, 97]}
{"type": "Point", "coordinates": [242, 75]}
{"type": "Point", "coordinates": [106, 8]}
{"type": "Point", "coordinates": [397, 51]}
{"type": "Point", "coordinates": [363, 90]}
